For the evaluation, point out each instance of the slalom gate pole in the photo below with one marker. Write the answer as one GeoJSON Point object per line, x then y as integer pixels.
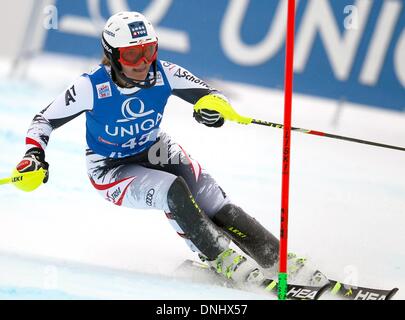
{"type": "Point", "coordinates": [288, 88]}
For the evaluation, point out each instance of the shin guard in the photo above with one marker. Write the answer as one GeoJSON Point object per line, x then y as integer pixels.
{"type": "Point", "coordinates": [250, 236]}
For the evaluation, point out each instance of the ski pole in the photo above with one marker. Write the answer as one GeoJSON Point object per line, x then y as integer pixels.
{"type": "Point", "coordinates": [328, 135]}
{"type": "Point", "coordinates": [228, 113]}
{"type": "Point", "coordinates": [5, 180]}
{"type": "Point", "coordinates": [25, 181]}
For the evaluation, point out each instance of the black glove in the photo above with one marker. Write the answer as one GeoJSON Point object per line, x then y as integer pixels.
{"type": "Point", "coordinates": [210, 118]}
{"type": "Point", "coordinates": [33, 160]}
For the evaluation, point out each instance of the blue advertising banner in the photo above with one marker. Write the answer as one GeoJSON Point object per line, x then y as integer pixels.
{"type": "Point", "coordinates": [351, 50]}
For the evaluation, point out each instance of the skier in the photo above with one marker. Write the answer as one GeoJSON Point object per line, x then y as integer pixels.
{"type": "Point", "coordinates": [131, 162]}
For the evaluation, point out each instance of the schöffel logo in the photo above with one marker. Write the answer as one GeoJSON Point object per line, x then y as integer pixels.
{"type": "Point", "coordinates": [138, 29]}
{"type": "Point", "coordinates": [181, 73]}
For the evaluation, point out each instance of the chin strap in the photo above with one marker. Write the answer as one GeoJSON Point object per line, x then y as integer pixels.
{"type": "Point", "coordinates": [148, 83]}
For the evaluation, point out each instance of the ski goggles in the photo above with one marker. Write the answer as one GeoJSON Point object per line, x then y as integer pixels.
{"type": "Point", "coordinates": [133, 56]}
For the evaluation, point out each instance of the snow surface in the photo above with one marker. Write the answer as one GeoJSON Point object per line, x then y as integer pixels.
{"type": "Point", "coordinates": [64, 241]}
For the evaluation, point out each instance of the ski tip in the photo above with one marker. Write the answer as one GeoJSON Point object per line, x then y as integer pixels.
{"type": "Point", "coordinates": [391, 293]}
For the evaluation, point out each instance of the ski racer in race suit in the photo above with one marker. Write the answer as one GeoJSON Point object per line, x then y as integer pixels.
{"type": "Point", "coordinates": [132, 163]}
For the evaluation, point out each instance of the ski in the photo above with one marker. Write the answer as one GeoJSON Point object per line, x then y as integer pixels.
{"type": "Point", "coordinates": [306, 292]}
{"type": "Point", "coordinates": [351, 292]}
{"type": "Point", "coordinates": [267, 286]}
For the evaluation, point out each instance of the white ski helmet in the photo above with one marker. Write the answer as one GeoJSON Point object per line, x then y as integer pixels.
{"type": "Point", "coordinates": [127, 29]}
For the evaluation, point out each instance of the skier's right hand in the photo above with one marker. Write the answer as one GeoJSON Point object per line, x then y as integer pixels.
{"type": "Point", "coordinates": [33, 161]}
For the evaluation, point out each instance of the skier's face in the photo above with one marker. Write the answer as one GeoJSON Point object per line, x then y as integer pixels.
{"type": "Point", "coordinates": [137, 73]}
{"type": "Point", "coordinates": [136, 60]}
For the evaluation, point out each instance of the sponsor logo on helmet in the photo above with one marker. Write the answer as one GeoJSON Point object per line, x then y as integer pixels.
{"type": "Point", "coordinates": [103, 90]}
{"type": "Point", "coordinates": [128, 107]}
{"type": "Point", "coordinates": [106, 47]}
{"type": "Point", "coordinates": [112, 34]}
{"type": "Point", "coordinates": [137, 29]}
{"type": "Point", "coordinates": [180, 73]}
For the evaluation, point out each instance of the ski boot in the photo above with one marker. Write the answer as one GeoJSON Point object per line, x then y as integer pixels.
{"type": "Point", "coordinates": [236, 267]}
